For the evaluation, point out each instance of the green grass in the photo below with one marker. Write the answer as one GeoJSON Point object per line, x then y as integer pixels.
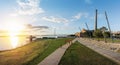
{"type": "Point", "coordinates": [78, 54]}
{"type": "Point", "coordinates": [31, 54]}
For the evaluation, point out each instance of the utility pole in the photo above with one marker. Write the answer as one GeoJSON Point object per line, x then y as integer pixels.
{"type": "Point", "coordinates": [109, 26]}
{"type": "Point", "coordinates": [54, 31]}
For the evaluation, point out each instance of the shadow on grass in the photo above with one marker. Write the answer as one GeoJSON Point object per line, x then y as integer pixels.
{"type": "Point", "coordinates": [78, 54]}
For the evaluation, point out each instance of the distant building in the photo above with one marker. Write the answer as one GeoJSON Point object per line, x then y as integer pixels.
{"type": "Point", "coordinates": [80, 34]}
{"type": "Point", "coordinates": [77, 34]}
{"type": "Point", "coordinates": [84, 33]}
{"type": "Point", "coordinates": [88, 33]}
{"type": "Point", "coordinates": [116, 34]}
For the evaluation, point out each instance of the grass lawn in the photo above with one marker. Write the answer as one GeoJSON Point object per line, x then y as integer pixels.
{"type": "Point", "coordinates": [78, 54]}
{"type": "Point", "coordinates": [31, 54]}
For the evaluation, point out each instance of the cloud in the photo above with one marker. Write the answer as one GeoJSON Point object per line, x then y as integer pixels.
{"type": "Point", "coordinates": [55, 19]}
{"type": "Point", "coordinates": [40, 27]}
{"type": "Point", "coordinates": [29, 7]}
{"type": "Point", "coordinates": [88, 1]}
{"type": "Point", "coordinates": [80, 15]}
{"type": "Point", "coordinates": [64, 20]}
{"type": "Point", "coordinates": [37, 27]}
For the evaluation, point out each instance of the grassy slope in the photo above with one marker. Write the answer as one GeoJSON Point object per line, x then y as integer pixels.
{"type": "Point", "coordinates": [32, 53]}
{"type": "Point", "coordinates": [109, 40]}
{"type": "Point", "coordinates": [78, 54]}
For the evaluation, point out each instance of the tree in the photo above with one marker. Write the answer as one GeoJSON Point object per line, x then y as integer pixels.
{"type": "Point", "coordinates": [86, 34]}
{"type": "Point", "coordinates": [103, 29]}
{"type": "Point", "coordinates": [106, 34]}
{"type": "Point", "coordinates": [98, 34]}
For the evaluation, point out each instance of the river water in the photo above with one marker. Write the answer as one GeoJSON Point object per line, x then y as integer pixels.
{"type": "Point", "coordinates": [7, 43]}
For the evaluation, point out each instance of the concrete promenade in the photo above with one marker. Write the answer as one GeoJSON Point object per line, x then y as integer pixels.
{"type": "Point", "coordinates": [55, 57]}
{"type": "Point", "coordinates": [107, 53]}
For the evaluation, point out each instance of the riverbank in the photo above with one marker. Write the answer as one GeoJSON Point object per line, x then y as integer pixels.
{"type": "Point", "coordinates": [31, 54]}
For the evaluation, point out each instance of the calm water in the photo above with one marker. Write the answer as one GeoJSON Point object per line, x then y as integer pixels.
{"type": "Point", "coordinates": [7, 43]}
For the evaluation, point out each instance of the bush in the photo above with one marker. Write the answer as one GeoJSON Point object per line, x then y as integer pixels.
{"type": "Point", "coordinates": [106, 34]}
{"type": "Point", "coordinates": [98, 34]}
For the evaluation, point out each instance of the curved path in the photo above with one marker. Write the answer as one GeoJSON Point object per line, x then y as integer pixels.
{"type": "Point", "coordinates": [55, 57]}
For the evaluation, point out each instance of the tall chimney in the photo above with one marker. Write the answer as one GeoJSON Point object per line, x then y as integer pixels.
{"type": "Point", "coordinates": [96, 20]}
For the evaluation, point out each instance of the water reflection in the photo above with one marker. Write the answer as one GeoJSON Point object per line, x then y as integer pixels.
{"type": "Point", "coordinates": [10, 42]}
{"type": "Point", "coordinates": [14, 41]}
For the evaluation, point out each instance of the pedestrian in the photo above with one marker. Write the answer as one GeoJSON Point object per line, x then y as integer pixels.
{"type": "Point", "coordinates": [30, 38]}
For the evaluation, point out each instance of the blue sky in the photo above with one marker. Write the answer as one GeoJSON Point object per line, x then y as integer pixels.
{"type": "Point", "coordinates": [64, 15]}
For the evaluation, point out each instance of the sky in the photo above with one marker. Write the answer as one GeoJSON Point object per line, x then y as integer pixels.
{"type": "Point", "coordinates": [66, 16]}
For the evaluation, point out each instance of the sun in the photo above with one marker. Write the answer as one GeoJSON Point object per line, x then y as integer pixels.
{"type": "Point", "coordinates": [14, 29]}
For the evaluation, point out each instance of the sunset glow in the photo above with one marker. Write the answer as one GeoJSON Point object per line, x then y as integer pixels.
{"type": "Point", "coordinates": [14, 41]}
{"type": "Point", "coordinates": [14, 29]}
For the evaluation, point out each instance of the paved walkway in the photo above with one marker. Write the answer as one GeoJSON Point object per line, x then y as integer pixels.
{"type": "Point", "coordinates": [56, 56]}
{"type": "Point", "coordinates": [107, 53]}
